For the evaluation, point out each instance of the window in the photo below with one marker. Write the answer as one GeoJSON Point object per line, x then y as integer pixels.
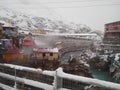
{"type": "Point", "coordinates": [43, 54]}
{"type": "Point", "coordinates": [51, 54]}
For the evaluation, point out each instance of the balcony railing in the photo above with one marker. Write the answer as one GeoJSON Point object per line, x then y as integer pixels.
{"type": "Point", "coordinates": [36, 79]}
{"type": "Point", "coordinates": [111, 40]}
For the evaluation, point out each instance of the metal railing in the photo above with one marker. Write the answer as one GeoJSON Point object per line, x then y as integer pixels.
{"type": "Point", "coordinates": [47, 80]}
{"type": "Point", "coordinates": [113, 41]}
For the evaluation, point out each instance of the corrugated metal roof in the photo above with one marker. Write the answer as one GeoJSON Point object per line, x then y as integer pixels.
{"type": "Point", "coordinates": [112, 23]}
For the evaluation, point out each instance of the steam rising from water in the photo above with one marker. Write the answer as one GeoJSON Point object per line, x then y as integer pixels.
{"type": "Point", "coordinates": [27, 49]}
{"type": "Point", "coordinates": [42, 42]}
{"type": "Point", "coordinates": [46, 41]}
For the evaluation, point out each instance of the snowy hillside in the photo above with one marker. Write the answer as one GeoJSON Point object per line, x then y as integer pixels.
{"type": "Point", "coordinates": [29, 22]}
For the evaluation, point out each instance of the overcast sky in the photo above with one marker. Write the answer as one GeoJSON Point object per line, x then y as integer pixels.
{"type": "Point", "coordinates": [94, 13]}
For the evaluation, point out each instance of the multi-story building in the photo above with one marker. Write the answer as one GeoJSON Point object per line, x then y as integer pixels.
{"type": "Point", "coordinates": [112, 30]}
{"type": "Point", "coordinates": [112, 35]}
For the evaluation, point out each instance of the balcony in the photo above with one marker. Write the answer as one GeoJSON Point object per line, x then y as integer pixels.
{"type": "Point", "coordinates": [113, 30]}
{"type": "Point", "coordinates": [113, 41]}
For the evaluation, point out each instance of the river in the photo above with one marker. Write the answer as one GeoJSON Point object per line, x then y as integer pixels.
{"type": "Point", "coordinates": [65, 57]}
{"type": "Point", "coordinates": [102, 75]}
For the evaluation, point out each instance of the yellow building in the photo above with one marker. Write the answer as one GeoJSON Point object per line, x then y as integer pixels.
{"type": "Point", "coordinates": [37, 31]}
{"type": "Point", "coordinates": [45, 54]}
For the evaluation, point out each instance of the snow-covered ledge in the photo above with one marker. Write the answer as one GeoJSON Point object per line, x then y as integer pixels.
{"type": "Point", "coordinates": [101, 83]}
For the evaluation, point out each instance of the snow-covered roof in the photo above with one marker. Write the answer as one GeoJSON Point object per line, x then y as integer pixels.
{"type": "Point", "coordinates": [64, 34]}
{"type": "Point", "coordinates": [24, 31]}
{"type": "Point", "coordinates": [5, 24]}
{"type": "Point", "coordinates": [54, 50]}
{"type": "Point", "coordinates": [8, 25]}
{"type": "Point", "coordinates": [2, 22]}
{"type": "Point", "coordinates": [58, 42]}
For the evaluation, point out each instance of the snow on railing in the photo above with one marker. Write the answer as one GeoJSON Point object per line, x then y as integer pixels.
{"type": "Point", "coordinates": [22, 68]}
{"type": "Point", "coordinates": [27, 81]}
{"type": "Point", "coordinates": [101, 83]}
{"type": "Point", "coordinates": [58, 75]}
{"type": "Point", "coordinates": [5, 87]}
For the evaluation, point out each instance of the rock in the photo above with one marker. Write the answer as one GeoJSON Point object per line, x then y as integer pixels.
{"type": "Point", "coordinates": [98, 62]}
{"type": "Point", "coordinates": [76, 68]}
{"type": "Point", "coordinates": [114, 67]}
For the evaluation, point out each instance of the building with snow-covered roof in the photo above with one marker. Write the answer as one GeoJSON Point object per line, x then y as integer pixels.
{"type": "Point", "coordinates": [9, 31]}
{"type": "Point", "coordinates": [37, 32]}
{"type": "Point", "coordinates": [45, 54]}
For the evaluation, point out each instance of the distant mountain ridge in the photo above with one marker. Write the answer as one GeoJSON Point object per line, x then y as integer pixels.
{"type": "Point", "coordinates": [29, 22]}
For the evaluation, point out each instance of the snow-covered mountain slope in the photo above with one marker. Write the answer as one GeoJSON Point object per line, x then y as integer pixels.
{"type": "Point", "coordinates": [28, 22]}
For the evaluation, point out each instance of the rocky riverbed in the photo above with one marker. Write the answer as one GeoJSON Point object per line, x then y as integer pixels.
{"type": "Point", "coordinates": [109, 62]}
{"type": "Point", "coordinates": [75, 63]}
{"type": "Point", "coordinates": [78, 63]}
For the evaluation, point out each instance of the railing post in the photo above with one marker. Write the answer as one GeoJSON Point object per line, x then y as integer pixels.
{"type": "Point", "coordinates": [57, 81]}
{"type": "Point", "coordinates": [15, 86]}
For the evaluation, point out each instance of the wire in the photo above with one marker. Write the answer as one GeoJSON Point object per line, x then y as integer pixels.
{"type": "Point", "coordinates": [67, 1]}
{"type": "Point", "coordinates": [87, 6]}
{"type": "Point", "coordinates": [70, 1]}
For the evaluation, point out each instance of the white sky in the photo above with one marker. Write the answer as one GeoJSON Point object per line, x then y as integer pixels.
{"type": "Point", "coordinates": [94, 13]}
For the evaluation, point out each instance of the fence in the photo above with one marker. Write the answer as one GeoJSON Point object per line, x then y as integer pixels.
{"type": "Point", "coordinates": [13, 77]}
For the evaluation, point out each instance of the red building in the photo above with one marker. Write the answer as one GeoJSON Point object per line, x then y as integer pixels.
{"type": "Point", "coordinates": [112, 30]}
{"type": "Point", "coordinates": [112, 36]}
{"type": "Point", "coordinates": [28, 41]}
